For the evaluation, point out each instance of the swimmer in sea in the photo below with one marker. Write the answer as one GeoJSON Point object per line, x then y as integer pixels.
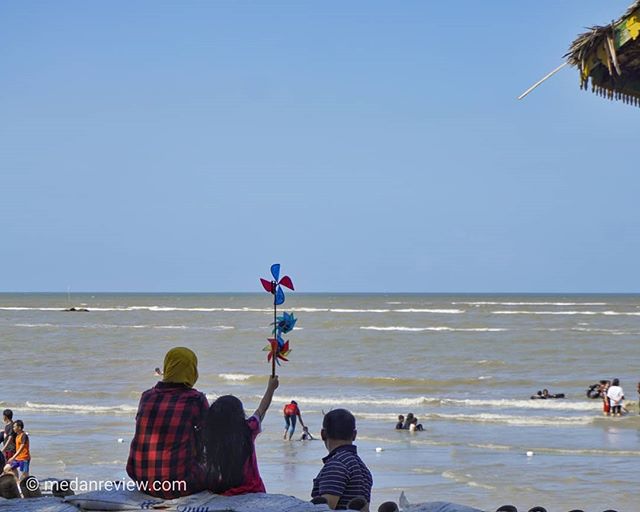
{"type": "Point", "coordinates": [544, 395]}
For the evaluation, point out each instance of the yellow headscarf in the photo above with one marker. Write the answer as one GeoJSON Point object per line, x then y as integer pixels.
{"type": "Point", "coordinates": [180, 366]}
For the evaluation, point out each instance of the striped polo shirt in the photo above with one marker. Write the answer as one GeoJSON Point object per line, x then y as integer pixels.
{"type": "Point", "coordinates": [345, 475]}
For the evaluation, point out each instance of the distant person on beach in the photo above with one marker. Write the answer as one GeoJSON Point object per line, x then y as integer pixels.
{"type": "Point", "coordinates": [158, 372]}
{"type": "Point", "coordinates": [167, 444]}
{"type": "Point", "coordinates": [8, 436]}
{"type": "Point", "coordinates": [616, 397]}
{"type": "Point", "coordinates": [20, 460]}
{"type": "Point", "coordinates": [400, 424]}
{"type": "Point", "coordinates": [344, 476]}
{"type": "Point", "coordinates": [306, 435]}
{"type": "Point", "coordinates": [638, 389]}
{"type": "Point", "coordinates": [229, 439]}
{"type": "Point", "coordinates": [291, 412]}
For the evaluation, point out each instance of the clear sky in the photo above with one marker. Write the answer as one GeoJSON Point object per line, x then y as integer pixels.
{"type": "Point", "coordinates": [365, 145]}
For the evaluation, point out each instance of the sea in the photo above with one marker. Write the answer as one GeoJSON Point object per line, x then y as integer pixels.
{"type": "Point", "coordinates": [465, 365]}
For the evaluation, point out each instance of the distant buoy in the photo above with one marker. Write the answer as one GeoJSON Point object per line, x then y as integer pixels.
{"type": "Point", "coordinates": [379, 449]}
{"type": "Point", "coordinates": [529, 454]}
{"type": "Point", "coordinates": [120, 440]}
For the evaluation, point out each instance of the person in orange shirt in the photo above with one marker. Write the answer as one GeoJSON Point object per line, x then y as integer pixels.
{"type": "Point", "coordinates": [21, 459]}
{"type": "Point", "coordinates": [291, 413]}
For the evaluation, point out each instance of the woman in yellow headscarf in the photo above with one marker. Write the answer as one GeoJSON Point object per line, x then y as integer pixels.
{"type": "Point", "coordinates": [166, 450]}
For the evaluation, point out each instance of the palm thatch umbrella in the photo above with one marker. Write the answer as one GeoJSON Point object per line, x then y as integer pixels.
{"type": "Point", "coordinates": [609, 58]}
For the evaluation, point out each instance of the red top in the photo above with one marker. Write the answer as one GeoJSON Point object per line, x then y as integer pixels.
{"type": "Point", "coordinates": [252, 480]}
{"type": "Point", "coordinates": [291, 410]}
{"type": "Point", "coordinates": [167, 446]}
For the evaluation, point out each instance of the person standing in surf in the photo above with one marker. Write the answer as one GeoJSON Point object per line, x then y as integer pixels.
{"type": "Point", "coordinates": [616, 396]}
{"type": "Point", "coordinates": [8, 435]}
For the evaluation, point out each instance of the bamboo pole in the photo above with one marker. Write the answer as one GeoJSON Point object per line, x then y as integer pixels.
{"type": "Point", "coordinates": [549, 75]}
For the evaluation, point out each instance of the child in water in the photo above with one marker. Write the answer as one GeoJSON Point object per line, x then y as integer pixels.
{"type": "Point", "coordinates": [229, 438]}
{"type": "Point", "coordinates": [306, 435]}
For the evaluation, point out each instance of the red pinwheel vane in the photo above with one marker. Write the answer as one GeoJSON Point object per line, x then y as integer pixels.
{"type": "Point", "coordinates": [278, 348]}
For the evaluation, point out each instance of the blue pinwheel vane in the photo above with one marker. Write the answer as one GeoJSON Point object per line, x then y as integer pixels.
{"type": "Point", "coordinates": [278, 348]}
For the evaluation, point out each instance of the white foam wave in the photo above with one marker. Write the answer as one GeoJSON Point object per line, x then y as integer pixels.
{"type": "Point", "coordinates": [235, 376]}
{"type": "Point", "coordinates": [589, 313]}
{"type": "Point", "coordinates": [116, 326]}
{"type": "Point", "coordinates": [442, 311]}
{"type": "Point", "coordinates": [615, 332]}
{"type": "Point", "coordinates": [332, 310]}
{"type": "Point", "coordinates": [437, 328]}
{"type": "Point", "coordinates": [559, 404]}
{"type": "Point", "coordinates": [356, 401]}
{"type": "Point", "coordinates": [81, 409]}
{"type": "Point", "coordinates": [34, 325]}
{"type": "Point", "coordinates": [490, 303]}
{"type": "Point", "coordinates": [520, 421]}
{"type": "Point", "coordinates": [20, 308]}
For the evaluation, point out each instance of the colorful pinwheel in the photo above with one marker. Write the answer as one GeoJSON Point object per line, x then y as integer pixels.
{"type": "Point", "coordinates": [275, 286]}
{"type": "Point", "coordinates": [285, 323]}
{"type": "Point", "coordinates": [278, 348]}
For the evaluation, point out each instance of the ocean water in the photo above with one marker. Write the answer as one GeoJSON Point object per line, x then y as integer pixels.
{"type": "Point", "coordinates": [464, 364]}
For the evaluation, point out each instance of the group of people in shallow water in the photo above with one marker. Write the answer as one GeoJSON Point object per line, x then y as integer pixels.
{"type": "Point", "coordinates": [409, 423]}
{"type": "Point", "coordinates": [179, 437]}
{"type": "Point", "coordinates": [612, 396]}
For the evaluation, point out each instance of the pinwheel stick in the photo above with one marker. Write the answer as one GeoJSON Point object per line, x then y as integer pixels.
{"type": "Point", "coordinates": [274, 349]}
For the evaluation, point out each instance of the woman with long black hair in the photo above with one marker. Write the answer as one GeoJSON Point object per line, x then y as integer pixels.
{"type": "Point", "coordinates": [229, 438]}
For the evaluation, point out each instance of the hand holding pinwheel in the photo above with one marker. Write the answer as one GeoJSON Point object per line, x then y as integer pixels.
{"type": "Point", "coordinates": [278, 348]}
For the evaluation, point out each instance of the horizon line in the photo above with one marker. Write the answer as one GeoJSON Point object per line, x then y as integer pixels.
{"type": "Point", "coordinates": [58, 292]}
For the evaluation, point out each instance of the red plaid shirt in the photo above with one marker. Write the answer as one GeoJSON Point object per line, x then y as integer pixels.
{"type": "Point", "coordinates": [167, 446]}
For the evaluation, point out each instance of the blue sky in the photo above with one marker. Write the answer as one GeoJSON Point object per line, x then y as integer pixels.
{"type": "Point", "coordinates": [365, 145]}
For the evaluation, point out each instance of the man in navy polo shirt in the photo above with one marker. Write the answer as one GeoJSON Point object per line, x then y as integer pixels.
{"type": "Point", "coordinates": [344, 476]}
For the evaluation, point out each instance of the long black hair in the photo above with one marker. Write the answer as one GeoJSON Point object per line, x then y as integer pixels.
{"type": "Point", "coordinates": [228, 443]}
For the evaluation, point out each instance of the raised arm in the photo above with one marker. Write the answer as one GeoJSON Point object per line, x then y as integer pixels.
{"type": "Point", "coordinates": [272, 385]}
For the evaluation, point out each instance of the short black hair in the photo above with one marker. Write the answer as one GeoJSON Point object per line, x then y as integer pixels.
{"type": "Point", "coordinates": [19, 423]}
{"type": "Point", "coordinates": [8, 413]}
{"type": "Point", "coordinates": [339, 424]}
{"type": "Point", "coordinates": [616, 382]}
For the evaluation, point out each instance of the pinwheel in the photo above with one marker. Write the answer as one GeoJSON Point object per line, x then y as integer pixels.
{"type": "Point", "coordinates": [278, 348]}
{"type": "Point", "coordinates": [275, 286]}
{"type": "Point", "coordinates": [285, 323]}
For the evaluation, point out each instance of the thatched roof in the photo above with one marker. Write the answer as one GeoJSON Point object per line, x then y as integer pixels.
{"type": "Point", "coordinates": [609, 57]}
